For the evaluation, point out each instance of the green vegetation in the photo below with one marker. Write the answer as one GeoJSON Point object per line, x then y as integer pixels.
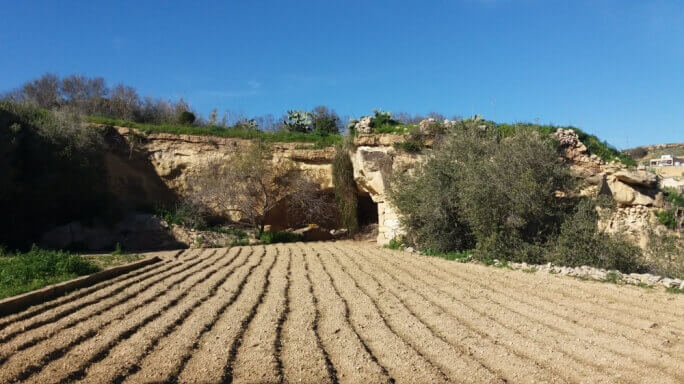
{"type": "Point", "coordinates": [580, 243]}
{"type": "Point", "coordinates": [496, 194]}
{"type": "Point", "coordinates": [52, 171]}
{"type": "Point", "coordinates": [675, 290]}
{"type": "Point", "coordinates": [24, 272]}
{"type": "Point", "coordinates": [674, 197]}
{"type": "Point", "coordinates": [269, 237]}
{"type": "Point", "coordinates": [345, 189]}
{"type": "Point", "coordinates": [320, 139]}
{"type": "Point", "coordinates": [665, 255]}
{"type": "Point", "coordinates": [395, 244]}
{"type": "Point", "coordinates": [461, 256]}
{"type": "Point", "coordinates": [667, 218]}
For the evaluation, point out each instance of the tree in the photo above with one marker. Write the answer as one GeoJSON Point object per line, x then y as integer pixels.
{"type": "Point", "coordinates": [325, 120]}
{"type": "Point", "coordinates": [83, 93]}
{"type": "Point", "coordinates": [251, 185]}
{"type": "Point", "coordinates": [43, 91]}
{"type": "Point", "coordinates": [124, 102]}
{"type": "Point", "coordinates": [479, 188]}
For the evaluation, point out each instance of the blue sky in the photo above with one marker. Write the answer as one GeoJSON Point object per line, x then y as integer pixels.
{"type": "Point", "coordinates": [613, 68]}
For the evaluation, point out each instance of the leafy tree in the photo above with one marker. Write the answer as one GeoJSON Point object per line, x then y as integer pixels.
{"type": "Point", "coordinates": [325, 120]}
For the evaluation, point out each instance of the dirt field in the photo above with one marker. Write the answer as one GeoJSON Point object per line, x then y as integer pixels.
{"type": "Point", "coordinates": [344, 312]}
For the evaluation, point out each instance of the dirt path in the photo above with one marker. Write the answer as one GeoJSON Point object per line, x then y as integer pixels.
{"type": "Point", "coordinates": [344, 312]}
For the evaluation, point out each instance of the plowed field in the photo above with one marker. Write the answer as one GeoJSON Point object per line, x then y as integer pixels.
{"type": "Point", "coordinates": [343, 312]}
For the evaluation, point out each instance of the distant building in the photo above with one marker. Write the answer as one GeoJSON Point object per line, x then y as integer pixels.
{"type": "Point", "coordinates": [666, 161]}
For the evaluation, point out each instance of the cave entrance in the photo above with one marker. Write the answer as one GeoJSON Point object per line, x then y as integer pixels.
{"type": "Point", "coordinates": [366, 211]}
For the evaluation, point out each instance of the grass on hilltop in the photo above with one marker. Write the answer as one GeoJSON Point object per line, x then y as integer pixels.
{"type": "Point", "coordinates": [318, 139]}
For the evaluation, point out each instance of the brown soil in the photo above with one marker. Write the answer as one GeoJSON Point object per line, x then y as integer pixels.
{"type": "Point", "coordinates": [344, 312]}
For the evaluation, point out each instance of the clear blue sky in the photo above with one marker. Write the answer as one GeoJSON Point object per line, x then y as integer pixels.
{"type": "Point", "coordinates": [614, 68]}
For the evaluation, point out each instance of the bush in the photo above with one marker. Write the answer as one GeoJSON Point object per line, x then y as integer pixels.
{"type": "Point", "coordinates": [674, 197]}
{"type": "Point", "coordinates": [23, 272]}
{"type": "Point", "coordinates": [49, 163]}
{"type": "Point", "coordinates": [482, 191]}
{"type": "Point", "coordinates": [188, 213]}
{"type": "Point", "coordinates": [580, 243]}
{"type": "Point", "coordinates": [279, 237]}
{"type": "Point", "coordinates": [186, 118]}
{"type": "Point", "coordinates": [345, 189]}
{"type": "Point", "coordinates": [667, 218]}
{"type": "Point", "coordinates": [395, 244]}
{"type": "Point", "coordinates": [325, 121]}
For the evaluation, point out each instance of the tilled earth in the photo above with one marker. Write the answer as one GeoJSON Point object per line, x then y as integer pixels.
{"type": "Point", "coordinates": [344, 312]}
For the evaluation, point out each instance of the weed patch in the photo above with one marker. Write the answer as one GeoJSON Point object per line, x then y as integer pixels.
{"type": "Point", "coordinates": [37, 268]}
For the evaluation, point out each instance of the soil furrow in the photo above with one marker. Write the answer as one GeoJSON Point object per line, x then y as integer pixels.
{"type": "Point", "coordinates": [257, 359]}
{"type": "Point", "coordinates": [586, 306]}
{"type": "Point", "coordinates": [65, 345]}
{"type": "Point", "coordinates": [229, 369]}
{"type": "Point", "coordinates": [208, 356]}
{"type": "Point", "coordinates": [586, 357]}
{"type": "Point", "coordinates": [521, 351]}
{"type": "Point", "coordinates": [152, 354]}
{"type": "Point", "coordinates": [452, 357]}
{"type": "Point", "coordinates": [562, 327]}
{"type": "Point", "coordinates": [353, 360]}
{"type": "Point", "coordinates": [37, 321]}
{"type": "Point", "coordinates": [278, 342]}
{"type": "Point", "coordinates": [303, 355]}
{"type": "Point", "coordinates": [379, 328]}
{"type": "Point", "coordinates": [623, 300]}
{"type": "Point", "coordinates": [348, 318]}
{"type": "Point", "coordinates": [30, 339]}
{"type": "Point", "coordinates": [343, 312]}
{"type": "Point", "coordinates": [41, 308]}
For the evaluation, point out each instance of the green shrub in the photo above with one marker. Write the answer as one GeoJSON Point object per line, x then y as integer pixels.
{"type": "Point", "coordinates": [580, 243]}
{"type": "Point", "coordinates": [186, 118]}
{"type": "Point", "coordinates": [667, 218]}
{"type": "Point", "coordinates": [187, 213]}
{"type": "Point", "coordinates": [325, 120]}
{"type": "Point", "coordinates": [674, 197]}
{"type": "Point", "coordinates": [298, 121]}
{"type": "Point", "coordinates": [481, 191]}
{"type": "Point", "coordinates": [239, 131]}
{"type": "Point", "coordinates": [345, 189]}
{"type": "Point", "coordinates": [23, 272]}
{"type": "Point", "coordinates": [395, 244]}
{"type": "Point", "coordinates": [269, 237]}
{"type": "Point", "coordinates": [52, 171]}
{"type": "Point", "coordinates": [410, 145]}
{"type": "Point", "coordinates": [665, 255]}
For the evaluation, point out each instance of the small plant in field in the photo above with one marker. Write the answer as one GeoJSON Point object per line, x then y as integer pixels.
{"type": "Point", "coordinates": [613, 277]}
{"type": "Point", "coordinates": [279, 237]}
{"type": "Point", "coordinates": [395, 243]}
{"type": "Point", "coordinates": [667, 218]}
{"type": "Point", "coordinates": [117, 250]}
{"type": "Point", "coordinates": [530, 270]}
{"type": "Point", "coordinates": [675, 290]}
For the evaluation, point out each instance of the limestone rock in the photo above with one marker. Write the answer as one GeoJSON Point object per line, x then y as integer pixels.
{"type": "Point", "coordinates": [364, 125]}
{"type": "Point", "coordinates": [644, 178]}
{"type": "Point", "coordinates": [627, 195]}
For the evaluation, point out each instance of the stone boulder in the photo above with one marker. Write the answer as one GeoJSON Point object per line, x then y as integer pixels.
{"type": "Point", "coordinates": [627, 195]}
{"type": "Point", "coordinates": [364, 125]}
{"type": "Point", "coordinates": [643, 178]}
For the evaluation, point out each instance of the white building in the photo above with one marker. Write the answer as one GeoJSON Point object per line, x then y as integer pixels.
{"type": "Point", "coordinates": [666, 161]}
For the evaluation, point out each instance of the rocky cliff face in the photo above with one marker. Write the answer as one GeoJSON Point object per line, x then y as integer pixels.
{"type": "Point", "coordinates": [159, 167]}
